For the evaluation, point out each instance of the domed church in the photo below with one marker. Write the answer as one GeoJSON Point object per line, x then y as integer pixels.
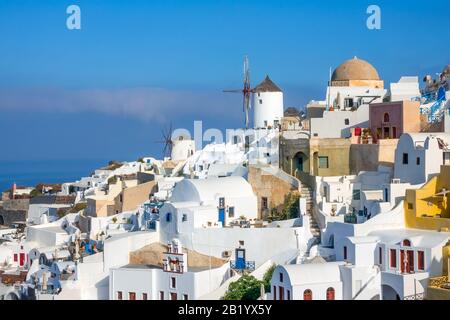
{"type": "Point", "coordinates": [356, 73]}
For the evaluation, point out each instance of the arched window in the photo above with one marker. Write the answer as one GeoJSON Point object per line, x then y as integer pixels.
{"type": "Point", "coordinates": [386, 117]}
{"type": "Point", "coordinates": [330, 293]}
{"type": "Point", "coordinates": [307, 294]}
{"type": "Point", "coordinates": [406, 243]}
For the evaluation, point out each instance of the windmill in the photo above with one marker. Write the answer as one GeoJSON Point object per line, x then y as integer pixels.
{"type": "Point", "coordinates": [167, 140]}
{"type": "Point", "coordinates": [245, 91]}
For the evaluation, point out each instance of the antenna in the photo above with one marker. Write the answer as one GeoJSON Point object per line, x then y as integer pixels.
{"type": "Point", "coordinates": [329, 85]}
{"type": "Point", "coordinates": [245, 91]}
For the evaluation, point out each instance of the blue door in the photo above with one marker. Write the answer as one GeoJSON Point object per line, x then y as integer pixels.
{"type": "Point", "coordinates": [222, 215]}
{"type": "Point", "coordinates": [240, 259]}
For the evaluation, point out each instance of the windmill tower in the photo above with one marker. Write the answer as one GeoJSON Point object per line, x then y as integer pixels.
{"type": "Point", "coordinates": [268, 104]}
{"type": "Point", "coordinates": [267, 101]}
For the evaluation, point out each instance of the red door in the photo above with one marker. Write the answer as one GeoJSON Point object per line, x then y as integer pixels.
{"type": "Point", "coordinates": [22, 259]}
{"type": "Point", "coordinates": [402, 261]}
{"type": "Point", "coordinates": [410, 265]}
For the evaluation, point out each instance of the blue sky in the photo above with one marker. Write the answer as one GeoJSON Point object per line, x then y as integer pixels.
{"type": "Point", "coordinates": [106, 90]}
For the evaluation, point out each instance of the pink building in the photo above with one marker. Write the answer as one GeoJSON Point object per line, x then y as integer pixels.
{"type": "Point", "coordinates": [389, 120]}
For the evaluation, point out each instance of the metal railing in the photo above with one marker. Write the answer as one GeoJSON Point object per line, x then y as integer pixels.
{"type": "Point", "coordinates": [438, 282]}
{"type": "Point", "coordinates": [249, 265]}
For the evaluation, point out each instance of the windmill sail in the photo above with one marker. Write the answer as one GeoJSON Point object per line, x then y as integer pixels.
{"type": "Point", "coordinates": [246, 91]}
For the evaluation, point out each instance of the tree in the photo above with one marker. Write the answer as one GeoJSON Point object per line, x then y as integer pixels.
{"type": "Point", "coordinates": [291, 207]}
{"type": "Point", "coordinates": [268, 277]}
{"type": "Point", "coordinates": [246, 288]}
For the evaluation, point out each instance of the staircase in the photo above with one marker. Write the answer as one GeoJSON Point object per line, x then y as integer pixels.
{"type": "Point", "coordinates": [306, 192]}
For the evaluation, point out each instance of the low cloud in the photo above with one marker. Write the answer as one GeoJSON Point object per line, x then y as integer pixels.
{"type": "Point", "coordinates": [147, 104]}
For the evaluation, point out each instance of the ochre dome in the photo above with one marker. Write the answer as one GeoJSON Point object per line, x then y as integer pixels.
{"type": "Point", "coordinates": [355, 69]}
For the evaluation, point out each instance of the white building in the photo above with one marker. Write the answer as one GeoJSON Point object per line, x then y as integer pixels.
{"type": "Point", "coordinates": [268, 104]}
{"type": "Point", "coordinates": [419, 156]}
{"type": "Point", "coordinates": [392, 264]}
{"type": "Point", "coordinates": [182, 148]}
{"type": "Point", "coordinates": [173, 281]}
{"type": "Point", "coordinates": [407, 88]}
{"type": "Point", "coordinates": [309, 281]}
{"type": "Point", "coordinates": [212, 202]}
{"type": "Point", "coordinates": [352, 87]}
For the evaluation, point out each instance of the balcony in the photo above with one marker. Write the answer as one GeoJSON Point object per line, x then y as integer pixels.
{"type": "Point", "coordinates": [248, 265]}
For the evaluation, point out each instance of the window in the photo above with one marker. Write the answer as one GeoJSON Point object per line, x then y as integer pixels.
{"type": "Point", "coordinates": [168, 217]}
{"type": "Point", "coordinates": [119, 295]}
{"type": "Point", "coordinates": [281, 277]}
{"type": "Point", "coordinates": [345, 252]}
{"type": "Point", "coordinates": [307, 294]}
{"type": "Point", "coordinates": [264, 203]}
{"type": "Point", "coordinates": [144, 296]}
{"type": "Point", "coordinates": [288, 294]}
{"type": "Point", "coordinates": [221, 202]}
{"type": "Point", "coordinates": [348, 103]}
{"type": "Point", "coordinates": [330, 293]}
{"type": "Point", "coordinates": [121, 198]}
{"type": "Point", "coordinates": [386, 117]}
{"type": "Point", "coordinates": [185, 297]}
{"type": "Point", "coordinates": [420, 260]}
{"type": "Point", "coordinates": [406, 243]}
{"type": "Point", "coordinates": [357, 194]}
{"type": "Point", "coordinates": [131, 295]}
{"type": "Point", "coordinates": [274, 292]}
{"type": "Point", "coordinates": [380, 255]}
{"type": "Point", "coordinates": [231, 212]}
{"type": "Point", "coordinates": [410, 206]}
{"type": "Point", "coordinates": [418, 161]}
{"type": "Point", "coordinates": [173, 296]}
{"type": "Point", "coordinates": [260, 101]}
{"type": "Point", "coordinates": [323, 162]}
{"type": "Point", "coordinates": [347, 122]}
{"type": "Point", "coordinates": [184, 218]}
{"type": "Point", "coordinates": [161, 295]}
{"type": "Point", "coordinates": [393, 258]}
{"type": "Point", "coordinates": [15, 257]}
{"type": "Point", "coordinates": [405, 158]}
{"type": "Point", "coordinates": [394, 132]}
{"type": "Point", "coordinates": [173, 282]}
{"type": "Point", "coordinates": [265, 123]}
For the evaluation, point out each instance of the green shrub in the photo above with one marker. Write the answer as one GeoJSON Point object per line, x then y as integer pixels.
{"type": "Point", "coordinates": [246, 288]}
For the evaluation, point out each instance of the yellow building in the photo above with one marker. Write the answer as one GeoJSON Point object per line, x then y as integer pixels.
{"type": "Point", "coordinates": [428, 207]}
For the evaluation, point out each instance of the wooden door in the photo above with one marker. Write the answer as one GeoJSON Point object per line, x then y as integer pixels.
{"type": "Point", "coordinates": [410, 265]}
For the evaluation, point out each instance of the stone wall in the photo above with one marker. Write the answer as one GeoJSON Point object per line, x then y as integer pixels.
{"type": "Point", "coordinates": [367, 157]}
{"type": "Point", "coordinates": [53, 200]}
{"type": "Point", "coordinates": [16, 204]}
{"type": "Point", "coordinates": [270, 186]}
{"type": "Point", "coordinates": [7, 217]}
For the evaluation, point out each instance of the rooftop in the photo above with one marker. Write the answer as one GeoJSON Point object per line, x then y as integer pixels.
{"type": "Point", "coordinates": [355, 69]}
{"type": "Point", "coordinates": [267, 85]}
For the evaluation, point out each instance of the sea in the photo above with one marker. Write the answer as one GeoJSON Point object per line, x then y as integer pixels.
{"type": "Point", "coordinates": [30, 173]}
